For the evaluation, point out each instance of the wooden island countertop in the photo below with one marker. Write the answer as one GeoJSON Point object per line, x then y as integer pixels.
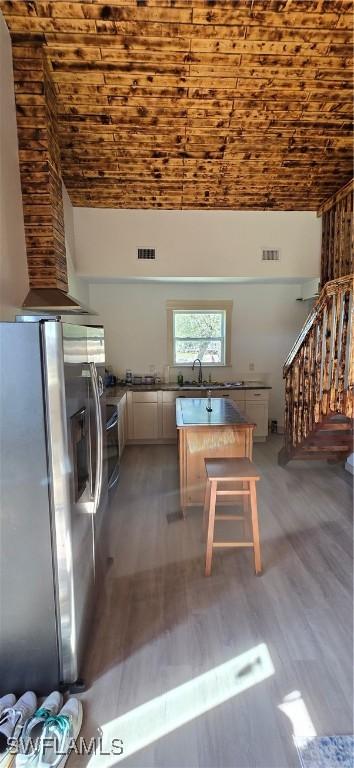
{"type": "Point", "coordinates": [221, 432]}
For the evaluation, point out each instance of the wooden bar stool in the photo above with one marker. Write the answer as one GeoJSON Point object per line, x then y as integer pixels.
{"type": "Point", "coordinates": [244, 473]}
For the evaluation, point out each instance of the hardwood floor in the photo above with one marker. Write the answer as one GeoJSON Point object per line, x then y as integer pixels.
{"type": "Point", "coordinates": [161, 623]}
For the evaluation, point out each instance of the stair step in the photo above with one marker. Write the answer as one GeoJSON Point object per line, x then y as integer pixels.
{"type": "Point", "coordinates": [320, 456]}
{"type": "Point", "coordinates": [344, 449]}
{"type": "Point", "coordinates": [334, 426]}
{"type": "Point", "coordinates": [329, 440]}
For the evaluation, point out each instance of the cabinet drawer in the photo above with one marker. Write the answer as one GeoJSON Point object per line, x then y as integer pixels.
{"type": "Point", "coordinates": [257, 395]}
{"type": "Point", "coordinates": [144, 397]}
{"type": "Point", "coordinates": [220, 393]}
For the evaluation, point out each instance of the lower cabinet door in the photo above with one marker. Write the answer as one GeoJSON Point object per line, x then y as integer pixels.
{"type": "Point", "coordinates": [169, 429]}
{"type": "Point", "coordinates": [145, 421]}
{"type": "Point", "coordinates": [238, 399]}
{"type": "Point", "coordinates": [258, 414]}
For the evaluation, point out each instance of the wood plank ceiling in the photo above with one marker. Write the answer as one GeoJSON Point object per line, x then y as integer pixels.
{"type": "Point", "coordinates": [188, 103]}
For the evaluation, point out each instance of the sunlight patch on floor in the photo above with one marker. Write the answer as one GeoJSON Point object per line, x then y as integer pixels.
{"type": "Point", "coordinates": [296, 710]}
{"type": "Point", "coordinates": [158, 717]}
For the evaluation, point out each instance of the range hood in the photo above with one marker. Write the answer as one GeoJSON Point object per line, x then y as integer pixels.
{"type": "Point", "coordinates": [53, 300]}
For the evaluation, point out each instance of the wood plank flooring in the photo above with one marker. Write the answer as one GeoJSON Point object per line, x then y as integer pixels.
{"type": "Point", "coordinates": [160, 623]}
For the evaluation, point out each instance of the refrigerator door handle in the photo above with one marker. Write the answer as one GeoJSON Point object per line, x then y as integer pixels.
{"type": "Point", "coordinates": [99, 441]}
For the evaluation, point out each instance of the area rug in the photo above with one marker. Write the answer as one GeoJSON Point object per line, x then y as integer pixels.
{"type": "Point", "coordinates": [326, 752]}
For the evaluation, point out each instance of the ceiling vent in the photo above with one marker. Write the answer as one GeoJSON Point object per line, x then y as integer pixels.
{"type": "Point", "coordinates": [146, 253]}
{"type": "Point", "coordinates": [270, 254]}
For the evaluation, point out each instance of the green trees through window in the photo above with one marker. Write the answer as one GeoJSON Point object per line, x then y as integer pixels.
{"type": "Point", "coordinates": [199, 334]}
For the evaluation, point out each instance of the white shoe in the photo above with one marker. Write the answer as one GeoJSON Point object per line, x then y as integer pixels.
{"type": "Point", "coordinates": [29, 742]}
{"type": "Point", "coordinates": [6, 702]}
{"type": "Point", "coordinates": [58, 735]}
{"type": "Point", "coordinates": [12, 721]}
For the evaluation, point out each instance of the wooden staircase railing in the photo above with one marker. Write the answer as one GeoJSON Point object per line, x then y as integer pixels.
{"type": "Point", "coordinates": [319, 375]}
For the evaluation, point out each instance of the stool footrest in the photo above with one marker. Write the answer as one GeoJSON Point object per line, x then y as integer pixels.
{"type": "Point", "coordinates": [233, 544]}
{"type": "Point", "coordinates": [232, 493]}
{"type": "Point", "coordinates": [229, 517]}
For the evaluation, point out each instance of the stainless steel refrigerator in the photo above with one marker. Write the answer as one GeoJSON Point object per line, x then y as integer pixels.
{"type": "Point", "coordinates": [53, 481]}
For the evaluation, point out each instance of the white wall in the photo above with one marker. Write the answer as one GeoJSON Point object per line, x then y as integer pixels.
{"type": "Point", "coordinates": [266, 321]}
{"type": "Point", "coordinates": [13, 264]}
{"type": "Point", "coordinates": [78, 288]}
{"type": "Point", "coordinates": [197, 243]}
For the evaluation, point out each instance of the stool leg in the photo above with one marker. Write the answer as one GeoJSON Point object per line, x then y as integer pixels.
{"type": "Point", "coordinates": [255, 528]}
{"type": "Point", "coordinates": [245, 510]}
{"type": "Point", "coordinates": [206, 504]}
{"type": "Point", "coordinates": [211, 523]}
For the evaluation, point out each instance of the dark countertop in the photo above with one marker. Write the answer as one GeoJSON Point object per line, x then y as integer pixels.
{"type": "Point", "coordinates": [192, 412]}
{"type": "Point", "coordinates": [115, 394]}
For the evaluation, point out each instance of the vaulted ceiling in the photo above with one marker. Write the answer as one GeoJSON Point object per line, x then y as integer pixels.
{"type": "Point", "coordinates": [191, 103]}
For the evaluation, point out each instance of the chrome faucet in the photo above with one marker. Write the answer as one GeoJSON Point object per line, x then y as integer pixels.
{"type": "Point", "coordinates": [200, 374]}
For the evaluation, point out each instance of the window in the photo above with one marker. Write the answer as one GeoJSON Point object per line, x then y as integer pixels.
{"type": "Point", "coordinates": [198, 334]}
{"type": "Point", "coordinates": [199, 329]}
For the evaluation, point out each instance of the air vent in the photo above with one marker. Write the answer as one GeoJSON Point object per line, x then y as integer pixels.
{"type": "Point", "coordinates": [270, 254]}
{"type": "Point", "coordinates": [146, 253]}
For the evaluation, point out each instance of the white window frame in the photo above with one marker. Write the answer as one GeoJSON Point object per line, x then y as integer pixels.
{"type": "Point", "coordinates": [199, 306]}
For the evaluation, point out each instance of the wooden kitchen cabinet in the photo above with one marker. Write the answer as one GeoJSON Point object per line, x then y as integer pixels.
{"type": "Point", "coordinates": [236, 397]}
{"type": "Point", "coordinates": [253, 403]}
{"type": "Point", "coordinates": [143, 416]}
{"type": "Point", "coordinates": [169, 429]}
{"type": "Point", "coordinates": [256, 409]}
{"type": "Point", "coordinates": [168, 400]}
{"type": "Point", "coordinates": [145, 421]}
{"type": "Point", "coordinates": [258, 414]}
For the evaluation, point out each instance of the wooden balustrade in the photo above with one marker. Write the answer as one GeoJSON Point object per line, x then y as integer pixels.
{"type": "Point", "coordinates": [337, 234]}
{"type": "Point", "coordinates": [319, 372]}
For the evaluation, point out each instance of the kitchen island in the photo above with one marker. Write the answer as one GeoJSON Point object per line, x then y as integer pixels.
{"type": "Point", "coordinates": [203, 433]}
